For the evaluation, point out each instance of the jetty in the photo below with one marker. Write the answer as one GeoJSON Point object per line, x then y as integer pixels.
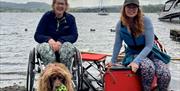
{"type": "Point", "coordinates": [175, 34]}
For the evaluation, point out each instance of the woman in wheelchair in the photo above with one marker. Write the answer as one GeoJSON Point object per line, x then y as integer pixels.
{"type": "Point", "coordinates": [55, 34]}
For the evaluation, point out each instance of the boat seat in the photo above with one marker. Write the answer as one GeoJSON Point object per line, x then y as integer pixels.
{"type": "Point", "coordinates": [97, 62]}
{"type": "Point", "coordinates": [93, 57]}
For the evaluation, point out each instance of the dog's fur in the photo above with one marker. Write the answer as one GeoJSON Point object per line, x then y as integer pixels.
{"type": "Point", "coordinates": [47, 83]}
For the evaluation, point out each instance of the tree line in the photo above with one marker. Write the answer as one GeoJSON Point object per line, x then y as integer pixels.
{"type": "Point", "coordinates": [43, 7]}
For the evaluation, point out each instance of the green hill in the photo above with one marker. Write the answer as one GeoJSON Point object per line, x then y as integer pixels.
{"type": "Point", "coordinates": [42, 7]}
{"type": "Point", "coordinates": [27, 7]}
{"type": "Point", "coordinates": [115, 9]}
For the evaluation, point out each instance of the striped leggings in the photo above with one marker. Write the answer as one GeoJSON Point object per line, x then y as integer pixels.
{"type": "Point", "coordinates": [148, 68]}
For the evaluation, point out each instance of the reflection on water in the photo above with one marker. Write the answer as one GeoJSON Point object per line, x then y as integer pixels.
{"type": "Point", "coordinates": [16, 42]}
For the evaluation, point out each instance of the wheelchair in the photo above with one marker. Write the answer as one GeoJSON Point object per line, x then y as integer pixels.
{"type": "Point", "coordinates": [35, 66]}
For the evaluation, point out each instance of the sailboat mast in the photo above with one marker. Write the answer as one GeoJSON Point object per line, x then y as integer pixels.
{"type": "Point", "coordinates": [101, 3]}
{"type": "Point", "coordinates": [102, 10]}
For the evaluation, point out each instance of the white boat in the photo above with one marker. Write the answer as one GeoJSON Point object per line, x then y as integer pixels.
{"type": "Point", "coordinates": [171, 10]}
{"type": "Point", "coordinates": [102, 10]}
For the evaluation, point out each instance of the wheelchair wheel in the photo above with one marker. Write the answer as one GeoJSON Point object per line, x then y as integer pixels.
{"type": "Point", "coordinates": [76, 71]}
{"type": "Point", "coordinates": [30, 71]}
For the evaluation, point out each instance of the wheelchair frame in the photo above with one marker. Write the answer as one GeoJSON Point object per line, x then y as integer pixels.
{"type": "Point", "coordinates": [35, 65]}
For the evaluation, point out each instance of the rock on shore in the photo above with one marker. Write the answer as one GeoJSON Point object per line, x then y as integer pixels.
{"type": "Point", "coordinates": [13, 88]}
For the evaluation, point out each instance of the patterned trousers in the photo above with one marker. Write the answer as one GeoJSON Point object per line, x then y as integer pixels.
{"type": "Point", "coordinates": [65, 53]}
{"type": "Point", "coordinates": [148, 68]}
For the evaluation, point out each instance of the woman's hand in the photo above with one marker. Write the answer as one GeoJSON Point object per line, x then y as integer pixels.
{"type": "Point", "coordinates": [134, 66]}
{"type": "Point", "coordinates": [108, 65]}
{"type": "Point", "coordinates": [111, 64]}
{"type": "Point", "coordinates": [58, 46]}
{"type": "Point", "coordinates": [54, 45]}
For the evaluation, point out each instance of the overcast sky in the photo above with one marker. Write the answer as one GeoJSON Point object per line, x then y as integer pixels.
{"type": "Point", "coordinates": [90, 3]}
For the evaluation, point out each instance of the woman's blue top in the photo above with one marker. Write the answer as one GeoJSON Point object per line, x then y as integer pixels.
{"type": "Point", "coordinates": [146, 39]}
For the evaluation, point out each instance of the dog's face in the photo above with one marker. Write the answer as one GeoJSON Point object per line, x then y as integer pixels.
{"type": "Point", "coordinates": [56, 80]}
{"type": "Point", "coordinates": [53, 76]}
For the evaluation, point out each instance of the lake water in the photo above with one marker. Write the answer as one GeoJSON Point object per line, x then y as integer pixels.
{"type": "Point", "coordinates": [16, 43]}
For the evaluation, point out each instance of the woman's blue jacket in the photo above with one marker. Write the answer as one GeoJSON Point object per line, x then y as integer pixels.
{"type": "Point", "coordinates": [63, 30]}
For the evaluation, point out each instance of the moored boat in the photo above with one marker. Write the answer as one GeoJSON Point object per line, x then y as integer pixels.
{"type": "Point", "coordinates": [170, 10]}
{"type": "Point", "coordinates": [102, 10]}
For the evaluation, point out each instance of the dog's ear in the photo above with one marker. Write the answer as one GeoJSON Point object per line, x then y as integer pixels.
{"type": "Point", "coordinates": [64, 81]}
{"type": "Point", "coordinates": [44, 85]}
{"type": "Point", "coordinates": [50, 84]}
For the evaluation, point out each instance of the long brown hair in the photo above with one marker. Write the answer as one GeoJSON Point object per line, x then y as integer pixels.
{"type": "Point", "coordinates": [66, 2]}
{"type": "Point", "coordinates": [138, 20]}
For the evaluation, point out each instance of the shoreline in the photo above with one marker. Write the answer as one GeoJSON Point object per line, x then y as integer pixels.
{"type": "Point", "coordinates": [15, 87]}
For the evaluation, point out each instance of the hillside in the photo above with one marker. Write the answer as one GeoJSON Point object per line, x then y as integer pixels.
{"type": "Point", "coordinates": [42, 7]}
{"type": "Point", "coordinates": [27, 7]}
{"type": "Point", "coordinates": [115, 9]}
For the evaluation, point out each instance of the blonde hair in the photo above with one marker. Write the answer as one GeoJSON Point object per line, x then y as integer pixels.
{"type": "Point", "coordinates": [139, 24]}
{"type": "Point", "coordinates": [66, 3]}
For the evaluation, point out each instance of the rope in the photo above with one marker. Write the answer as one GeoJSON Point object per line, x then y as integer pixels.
{"type": "Point", "coordinates": [111, 75]}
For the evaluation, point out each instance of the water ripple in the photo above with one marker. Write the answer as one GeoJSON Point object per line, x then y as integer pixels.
{"type": "Point", "coordinates": [13, 73]}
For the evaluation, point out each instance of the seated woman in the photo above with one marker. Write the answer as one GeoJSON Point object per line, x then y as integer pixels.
{"type": "Point", "coordinates": [137, 32]}
{"type": "Point", "coordinates": [55, 34]}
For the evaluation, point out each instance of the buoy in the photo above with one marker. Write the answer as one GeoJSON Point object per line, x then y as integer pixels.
{"type": "Point", "coordinates": [92, 29]}
{"type": "Point", "coordinates": [25, 29]}
{"type": "Point", "coordinates": [112, 30]}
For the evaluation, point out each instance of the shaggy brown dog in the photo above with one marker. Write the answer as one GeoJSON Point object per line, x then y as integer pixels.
{"type": "Point", "coordinates": [53, 76]}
